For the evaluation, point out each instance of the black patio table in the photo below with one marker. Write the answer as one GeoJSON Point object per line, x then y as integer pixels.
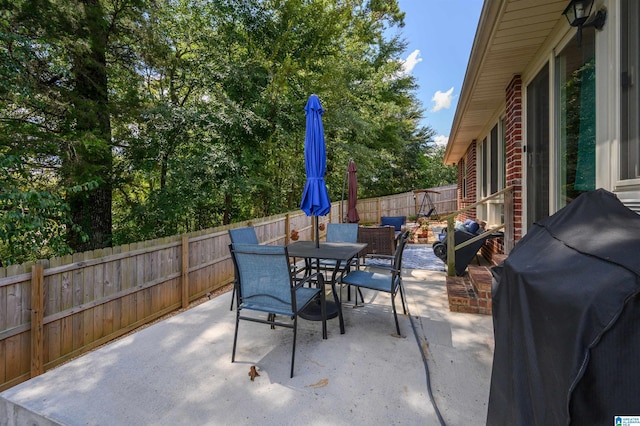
{"type": "Point", "coordinates": [342, 253]}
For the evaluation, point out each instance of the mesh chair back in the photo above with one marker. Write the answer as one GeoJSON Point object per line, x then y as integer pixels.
{"type": "Point", "coordinates": [397, 260]}
{"type": "Point", "coordinates": [264, 278]}
{"type": "Point", "coordinates": [246, 235]}
{"type": "Point", "coordinates": [342, 233]}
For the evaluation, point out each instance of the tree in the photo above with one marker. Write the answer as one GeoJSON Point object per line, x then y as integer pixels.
{"type": "Point", "coordinates": [56, 103]}
{"type": "Point", "coordinates": [168, 116]}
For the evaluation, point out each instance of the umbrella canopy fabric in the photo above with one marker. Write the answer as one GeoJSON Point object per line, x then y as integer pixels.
{"type": "Point", "coordinates": [352, 212]}
{"type": "Point", "coordinates": [315, 198]}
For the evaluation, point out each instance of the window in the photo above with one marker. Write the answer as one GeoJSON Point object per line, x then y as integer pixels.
{"type": "Point", "coordinates": [494, 165]}
{"type": "Point", "coordinates": [536, 149]}
{"type": "Point", "coordinates": [491, 173]}
{"type": "Point", "coordinates": [575, 97]}
{"type": "Point", "coordinates": [630, 100]}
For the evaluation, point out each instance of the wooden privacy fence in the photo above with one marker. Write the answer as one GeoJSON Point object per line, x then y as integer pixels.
{"type": "Point", "coordinates": [59, 308]}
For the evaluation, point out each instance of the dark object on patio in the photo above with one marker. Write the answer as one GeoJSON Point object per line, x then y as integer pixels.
{"type": "Point", "coordinates": [566, 312]}
{"type": "Point", "coordinates": [389, 281]}
{"type": "Point", "coordinates": [464, 255]}
{"type": "Point", "coordinates": [266, 284]}
{"type": "Point", "coordinates": [246, 235]}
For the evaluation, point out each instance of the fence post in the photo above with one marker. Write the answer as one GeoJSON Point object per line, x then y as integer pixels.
{"type": "Point", "coordinates": [37, 319]}
{"type": "Point", "coordinates": [287, 228]}
{"type": "Point", "coordinates": [185, 271]}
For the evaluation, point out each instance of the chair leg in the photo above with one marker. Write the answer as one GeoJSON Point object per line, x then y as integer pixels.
{"type": "Point", "coordinates": [395, 314]}
{"type": "Point", "coordinates": [293, 351]}
{"type": "Point", "coordinates": [272, 318]}
{"type": "Point", "coordinates": [338, 306]}
{"type": "Point", "coordinates": [233, 295]}
{"type": "Point", "coordinates": [235, 336]}
{"type": "Point", "coordinates": [323, 313]}
{"type": "Point", "coordinates": [402, 298]}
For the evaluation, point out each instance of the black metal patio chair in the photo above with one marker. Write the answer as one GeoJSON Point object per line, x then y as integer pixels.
{"type": "Point", "coordinates": [388, 280]}
{"type": "Point", "coordinates": [245, 235]}
{"type": "Point", "coordinates": [266, 284]}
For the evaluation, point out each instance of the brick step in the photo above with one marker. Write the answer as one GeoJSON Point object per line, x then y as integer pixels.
{"type": "Point", "coordinates": [471, 293]}
{"type": "Point", "coordinates": [480, 278]}
{"type": "Point", "coordinates": [497, 259]}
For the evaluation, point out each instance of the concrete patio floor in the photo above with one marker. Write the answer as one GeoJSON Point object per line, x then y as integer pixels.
{"type": "Point", "coordinates": [179, 371]}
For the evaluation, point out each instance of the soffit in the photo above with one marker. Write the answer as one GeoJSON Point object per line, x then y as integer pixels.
{"type": "Point", "coordinates": [510, 33]}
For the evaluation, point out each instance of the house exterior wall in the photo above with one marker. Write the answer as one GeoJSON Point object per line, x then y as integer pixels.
{"type": "Point", "coordinates": [558, 52]}
{"type": "Point", "coordinates": [513, 134]}
{"type": "Point", "coordinates": [513, 146]}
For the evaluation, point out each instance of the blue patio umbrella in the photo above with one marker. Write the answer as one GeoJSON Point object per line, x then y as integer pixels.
{"type": "Point", "coordinates": [315, 198]}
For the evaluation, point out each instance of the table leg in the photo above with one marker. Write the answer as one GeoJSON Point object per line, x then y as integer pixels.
{"type": "Point", "coordinates": [335, 294]}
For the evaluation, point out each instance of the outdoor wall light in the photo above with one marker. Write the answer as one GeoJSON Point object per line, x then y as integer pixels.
{"type": "Point", "coordinates": [578, 13]}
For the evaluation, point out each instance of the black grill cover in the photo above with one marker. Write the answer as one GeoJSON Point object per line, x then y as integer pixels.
{"type": "Point", "coordinates": [566, 313]}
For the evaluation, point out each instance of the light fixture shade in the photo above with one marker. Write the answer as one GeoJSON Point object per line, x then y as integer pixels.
{"type": "Point", "coordinates": [578, 12]}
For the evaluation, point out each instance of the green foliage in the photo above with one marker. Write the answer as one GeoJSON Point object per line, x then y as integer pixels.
{"type": "Point", "coordinates": [33, 220]}
{"type": "Point", "coordinates": [192, 111]}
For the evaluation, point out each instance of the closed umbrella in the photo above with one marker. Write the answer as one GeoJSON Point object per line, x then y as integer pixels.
{"type": "Point", "coordinates": [352, 212]}
{"type": "Point", "coordinates": [315, 198]}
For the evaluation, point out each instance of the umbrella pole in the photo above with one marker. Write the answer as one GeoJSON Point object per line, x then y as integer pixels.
{"type": "Point", "coordinates": [344, 185]}
{"type": "Point", "coordinates": [317, 233]}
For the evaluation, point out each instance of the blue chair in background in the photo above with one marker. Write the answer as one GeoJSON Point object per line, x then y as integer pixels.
{"type": "Point", "coordinates": [265, 283]}
{"type": "Point", "coordinates": [389, 280]}
{"type": "Point", "coordinates": [396, 221]}
{"type": "Point", "coordinates": [246, 235]}
{"type": "Point", "coordinates": [340, 233]}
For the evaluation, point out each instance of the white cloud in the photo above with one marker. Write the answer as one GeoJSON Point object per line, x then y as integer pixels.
{"type": "Point", "coordinates": [442, 100]}
{"type": "Point", "coordinates": [441, 140]}
{"type": "Point", "coordinates": [410, 63]}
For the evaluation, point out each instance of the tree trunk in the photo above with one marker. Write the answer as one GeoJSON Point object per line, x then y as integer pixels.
{"type": "Point", "coordinates": [91, 157]}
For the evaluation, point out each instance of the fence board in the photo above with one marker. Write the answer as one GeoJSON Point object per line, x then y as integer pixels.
{"type": "Point", "coordinates": [98, 293]}
{"type": "Point", "coordinates": [3, 358]}
{"type": "Point", "coordinates": [37, 316]}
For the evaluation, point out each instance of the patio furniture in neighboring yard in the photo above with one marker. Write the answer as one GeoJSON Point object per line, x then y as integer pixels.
{"type": "Point", "coordinates": [266, 284]}
{"type": "Point", "coordinates": [389, 280]}
{"type": "Point", "coordinates": [427, 208]}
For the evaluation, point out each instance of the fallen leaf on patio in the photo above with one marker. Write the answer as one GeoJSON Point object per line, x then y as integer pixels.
{"type": "Point", "coordinates": [322, 383]}
{"type": "Point", "coordinates": [253, 373]}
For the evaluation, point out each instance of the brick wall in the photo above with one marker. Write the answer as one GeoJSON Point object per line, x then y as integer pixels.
{"type": "Point", "coordinates": [513, 141]}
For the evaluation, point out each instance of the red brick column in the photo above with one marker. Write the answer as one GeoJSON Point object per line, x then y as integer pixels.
{"type": "Point", "coordinates": [513, 142]}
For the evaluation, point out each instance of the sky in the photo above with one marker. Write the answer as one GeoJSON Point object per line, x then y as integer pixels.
{"type": "Point", "coordinates": [440, 35]}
